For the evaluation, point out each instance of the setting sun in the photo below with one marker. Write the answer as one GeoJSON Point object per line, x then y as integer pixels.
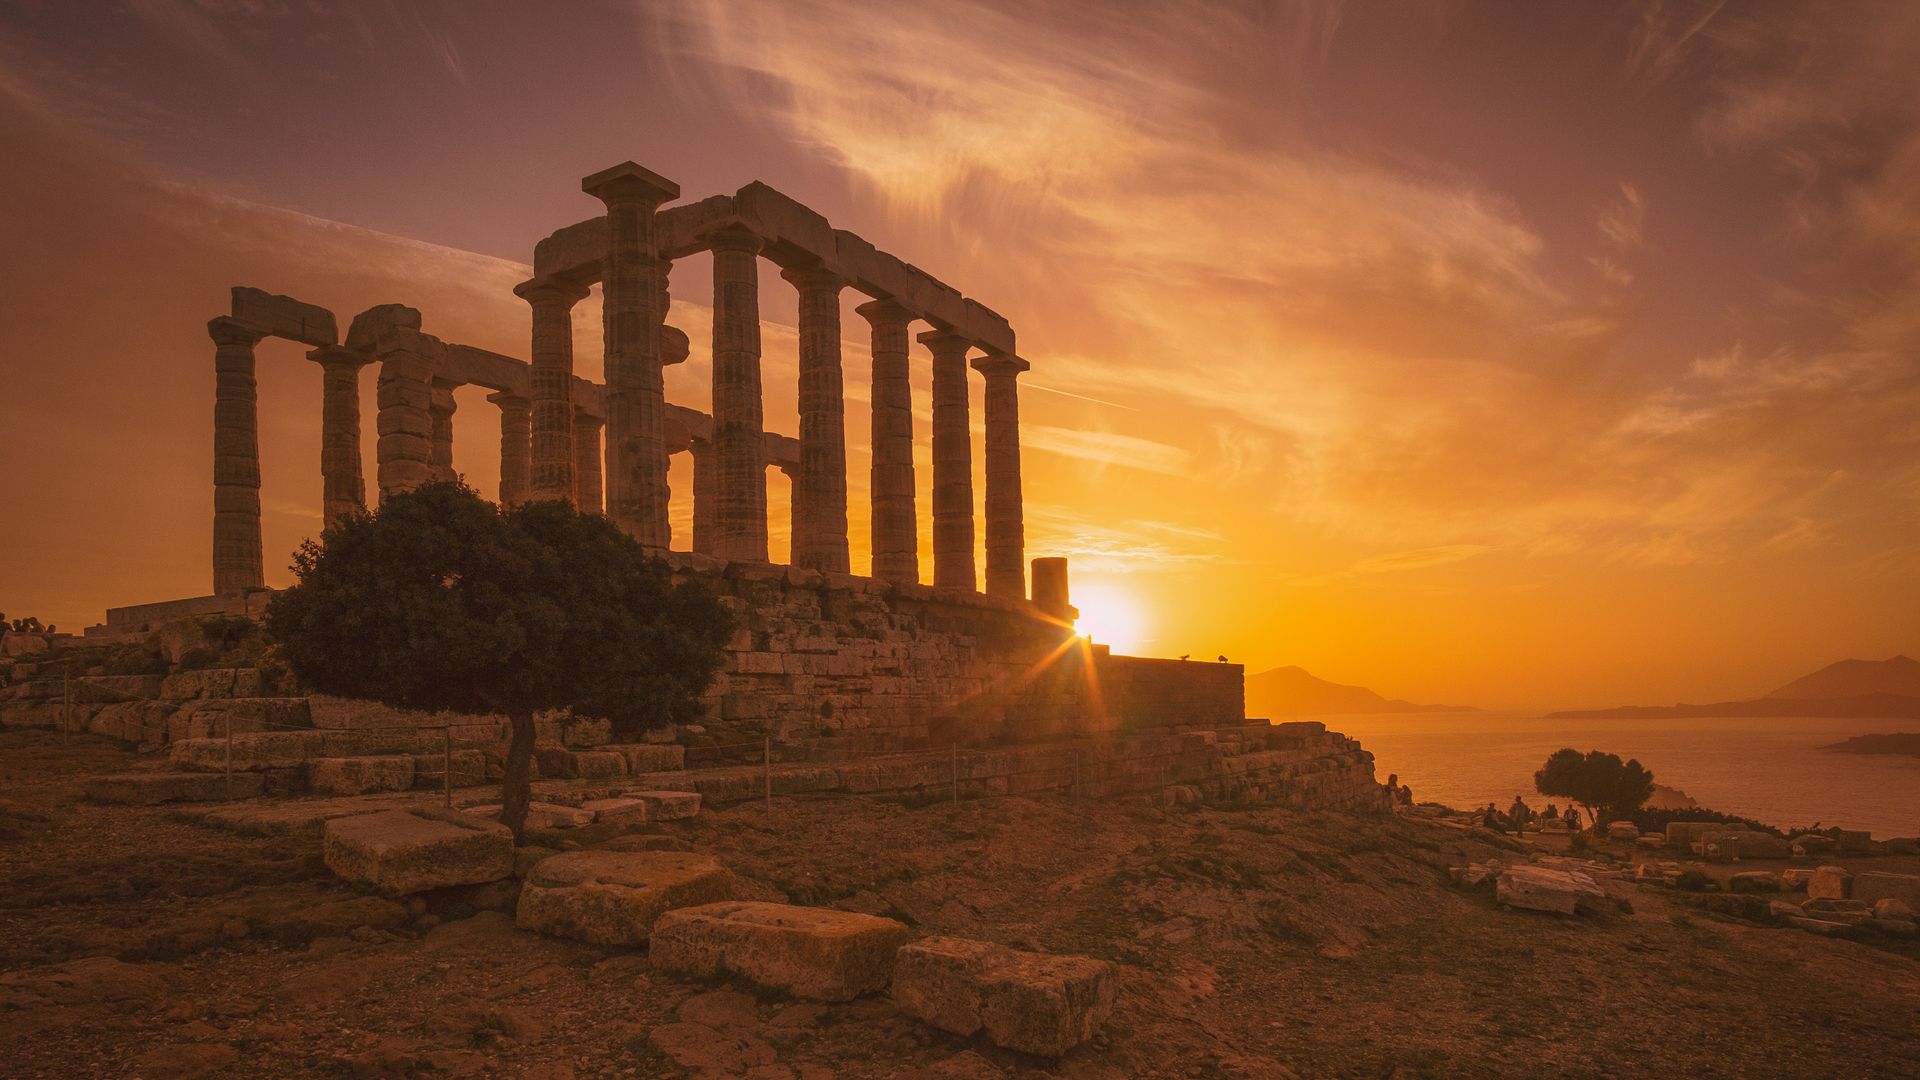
{"type": "Point", "coordinates": [1110, 617]}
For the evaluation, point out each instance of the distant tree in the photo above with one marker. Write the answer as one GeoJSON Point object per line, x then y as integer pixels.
{"type": "Point", "coordinates": [441, 600]}
{"type": "Point", "coordinates": [1600, 782]}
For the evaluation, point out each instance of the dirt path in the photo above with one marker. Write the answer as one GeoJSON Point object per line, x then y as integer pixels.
{"type": "Point", "coordinates": [1251, 942]}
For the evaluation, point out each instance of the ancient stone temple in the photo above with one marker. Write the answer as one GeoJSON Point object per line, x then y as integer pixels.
{"type": "Point", "coordinates": [908, 652]}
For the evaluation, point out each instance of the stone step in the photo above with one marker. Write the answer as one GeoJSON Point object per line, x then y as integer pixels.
{"type": "Point", "coordinates": [150, 788]}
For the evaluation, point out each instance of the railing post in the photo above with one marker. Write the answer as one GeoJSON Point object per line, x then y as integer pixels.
{"type": "Point", "coordinates": [766, 765]}
{"type": "Point", "coordinates": [447, 777]}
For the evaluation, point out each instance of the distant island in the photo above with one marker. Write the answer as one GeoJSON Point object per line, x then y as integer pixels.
{"type": "Point", "coordinates": [1291, 691]}
{"type": "Point", "coordinates": [1906, 744]}
{"type": "Point", "coordinates": [1849, 689]}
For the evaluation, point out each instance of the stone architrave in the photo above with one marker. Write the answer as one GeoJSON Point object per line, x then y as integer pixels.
{"type": "Point", "coordinates": [741, 515]}
{"type": "Point", "coordinates": [516, 447]}
{"type": "Point", "coordinates": [551, 386]}
{"type": "Point", "coordinates": [1006, 529]}
{"type": "Point", "coordinates": [440, 450]}
{"type": "Point", "coordinates": [343, 492]}
{"type": "Point", "coordinates": [633, 288]}
{"type": "Point", "coordinates": [895, 532]}
{"type": "Point", "coordinates": [820, 490]}
{"type": "Point", "coordinates": [586, 463]}
{"type": "Point", "coordinates": [952, 463]}
{"type": "Point", "coordinates": [236, 458]}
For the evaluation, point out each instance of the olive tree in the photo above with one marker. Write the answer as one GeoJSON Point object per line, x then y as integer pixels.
{"type": "Point", "coordinates": [1598, 781]}
{"type": "Point", "coordinates": [441, 600]}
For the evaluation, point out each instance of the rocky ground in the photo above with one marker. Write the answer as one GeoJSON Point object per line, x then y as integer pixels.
{"type": "Point", "coordinates": [1252, 942]}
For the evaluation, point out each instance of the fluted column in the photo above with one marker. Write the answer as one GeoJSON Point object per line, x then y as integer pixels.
{"type": "Point", "coordinates": [551, 386]}
{"type": "Point", "coordinates": [706, 497]}
{"type": "Point", "coordinates": [406, 412]}
{"type": "Point", "coordinates": [1006, 529]}
{"type": "Point", "coordinates": [632, 288]}
{"type": "Point", "coordinates": [440, 451]}
{"type": "Point", "coordinates": [586, 463]}
{"type": "Point", "coordinates": [236, 458]}
{"type": "Point", "coordinates": [952, 463]}
{"type": "Point", "coordinates": [516, 447]}
{"type": "Point", "coordinates": [895, 532]}
{"type": "Point", "coordinates": [343, 492]}
{"type": "Point", "coordinates": [737, 409]}
{"type": "Point", "coordinates": [820, 491]}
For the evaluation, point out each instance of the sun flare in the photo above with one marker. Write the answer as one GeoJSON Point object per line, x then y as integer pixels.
{"type": "Point", "coordinates": [1110, 617]}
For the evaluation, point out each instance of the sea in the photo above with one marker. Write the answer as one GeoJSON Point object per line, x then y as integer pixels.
{"type": "Point", "coordinates": [1772, 769]}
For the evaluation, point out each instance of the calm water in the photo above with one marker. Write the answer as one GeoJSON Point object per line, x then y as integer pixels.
{"type": "Point", "coordinates": [1769, 768]}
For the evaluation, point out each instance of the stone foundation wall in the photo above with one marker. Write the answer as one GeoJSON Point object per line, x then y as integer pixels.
{"type": "Point", "coordinates": [826, 655]}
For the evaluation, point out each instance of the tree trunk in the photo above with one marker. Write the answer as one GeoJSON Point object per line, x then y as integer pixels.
{"type": "Point", "coordinates": [515, 788]}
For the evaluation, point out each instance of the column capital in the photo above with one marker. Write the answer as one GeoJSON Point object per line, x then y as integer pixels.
{"type": "Point", "coordinates": [543, 289]}
{"type": "Point", "coordinates": [733, 238]}
{"type": "Point", "coordinates": [329, 356]}
{"type": "Point", "coordinates": [884, 311]}
{"type": "Point", "coordinates": [583, 418]}
{"type": "Point", "coordinates": [999, 363]}
{"type": "Point", "coordinates": [943, 342]}
{"type": "Point", "coordinates": [508, 400]}
{"type": "Point", "coordinates": [629, 181]}
{"type": "Point", "coordinates": [227, 330]}
{"type": "Point", "coordinates": [812, 278]}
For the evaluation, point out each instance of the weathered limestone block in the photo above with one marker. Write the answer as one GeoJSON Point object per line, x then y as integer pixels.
{"type": "Point", "coordinates": [213, 717]}
{"type": "Point", "coordinates": [1830, 883]}
{"type": "Point", "coordinates": [1870, 886]}
{"type": "Point", "coordinates": [1754, 881]}
{"type": "Point", "coordinates": [650, 757]}
{"type": "Point", "coordinates": [617, 811]}
{"type": "Point", "coordinates": [211, 683]}
{"type": "Point", "coordinates": [614, 897]}
{"type": "Point", "coordinates": [540, 815]}
{"type": "Point", "coordinates": [666, 805]}
{"type": "Point", "coordinates": [815, 953]}
{"type": "Point", "coordinates": [559, 762]}
{"type": "Point", "coordinates": [1540, 888]}
{"type": "Point", "coordinates": [1622, 830]}
{"type": "Point", "coordinates": [469, 769]}
{"type": "Point", "coordinates": [360, 775]}
{"type": "Point", "coordinates": [407, 851]}
{"type": "Point", "coordinates": [150, 788]}
{"type": "Point", "coordinates": [1032, 1002]}
{"type": "Point", "coordinates": [283, 316]}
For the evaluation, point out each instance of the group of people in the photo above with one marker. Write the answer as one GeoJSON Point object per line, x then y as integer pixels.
{"type": "Point", "coordinates": [1519, 816]}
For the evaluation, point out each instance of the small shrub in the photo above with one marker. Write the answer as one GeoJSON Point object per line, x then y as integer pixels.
{"type": "Point", "coordinates": [199, 658]}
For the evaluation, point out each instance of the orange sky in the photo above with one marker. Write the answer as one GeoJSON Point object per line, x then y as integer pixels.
{"type": "Point", "coordinates": [1485, 353]}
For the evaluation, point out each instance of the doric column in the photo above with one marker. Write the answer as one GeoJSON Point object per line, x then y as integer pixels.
{"type": "Point", "coordinates": [952, 462]}
{"type": "Point", "coordinates": [440, 450]}
{"type": "Point", "coordinates": [1006, 531]}
{"type": "Point", "coordinates": [895, 533]}
{"type": "Point", "coordinates": [236, 458]}
{"type": "Point", "coordinates": [586, 463]}
{"type": "Point", "coordinates": [706, 497]}
{"type": "Point", "coordinates": [343, 493]}
{"type": "Point", "coordinates": [632, 288]}
{"type": "Point", "coordinates": [737, 410]}
{"type": "Point", "coordinates": [820, 491]}
{"type": "Point", "coordinates": [551, 386]}
{"type": "Point", "coordinates": [407, 362]}
{"type": "Point", "coordinates": [516, 448]}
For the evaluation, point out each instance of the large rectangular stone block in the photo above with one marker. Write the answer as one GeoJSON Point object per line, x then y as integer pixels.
{"type": "Point", "coordinates": [1036, 1003]}
{"type": "Point", "coordinates": [398, 852]}
{"type": "Point", "coordinates": [615, 897]}
{"type": "Point", "coordinates": [815, 953]}
{"type": "Point", "coordinates": [283, 316]}
{"type": "Point", "coordinates": [1872, 885]}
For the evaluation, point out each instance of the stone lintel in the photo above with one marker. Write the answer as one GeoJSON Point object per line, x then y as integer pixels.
{"type": "Point", "coordinates": [283, 316]}
{"type": "Point", "coordinates": [541, 287]}
{"type": "Point", "coordinates": [336, 354]}
{"type": "Point", "coordinates": [367, 326]}
{"type": "Point", "coordinates": [629, 180]}
{"type": "Point", "coordinates": [227, 330]}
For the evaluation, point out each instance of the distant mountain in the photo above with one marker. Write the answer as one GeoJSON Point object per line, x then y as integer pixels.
{"type": "Point", "coordinates": [1857, 678]}
{"type": "Point", "coordinates": [1850, 689]}
{"type": "Point", "coordinates": [1291, 691]}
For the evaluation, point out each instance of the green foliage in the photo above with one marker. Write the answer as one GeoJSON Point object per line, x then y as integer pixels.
{"type": "Point", "coordinates": [223, 632]}
{"type": "Point", "coordinates": [1598, 781]}
{"type": "Point", "coordinates": [439, 600]}
{"type": "Point", "coordinates": [1655, 821]}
